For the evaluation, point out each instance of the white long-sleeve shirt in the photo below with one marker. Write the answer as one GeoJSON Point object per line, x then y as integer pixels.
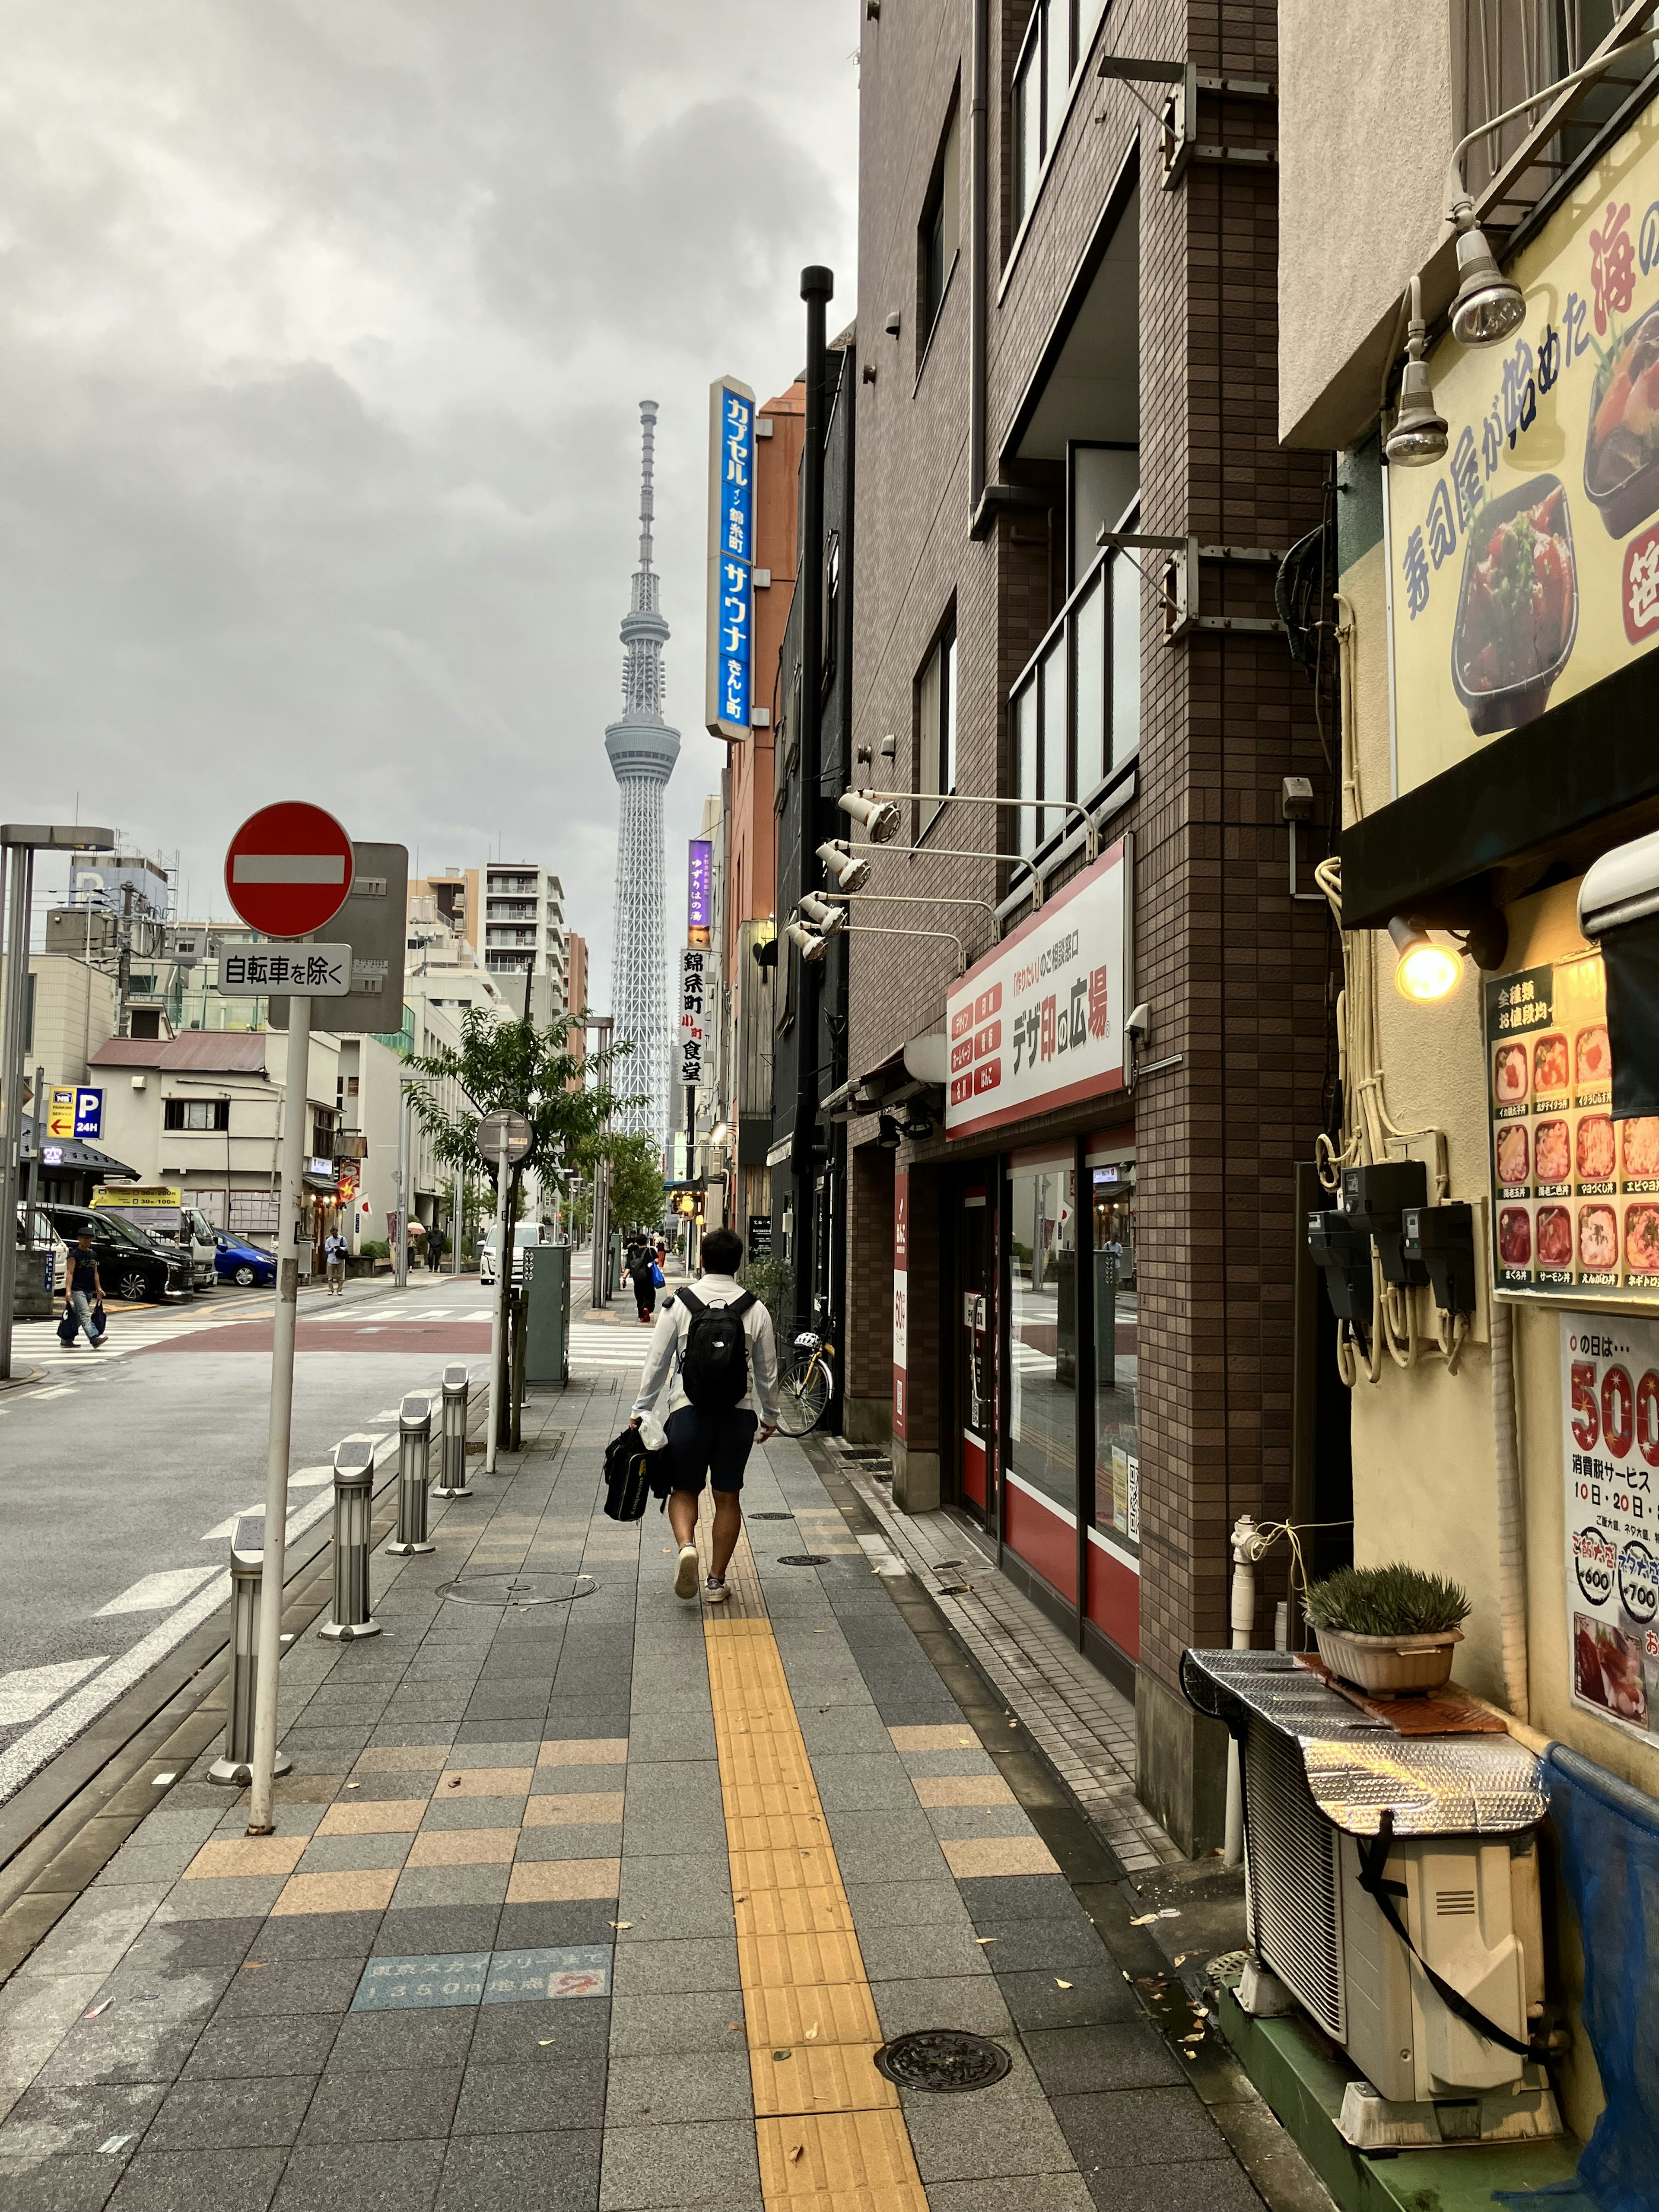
{"type": "Point", "coordinates": [667, 1352]}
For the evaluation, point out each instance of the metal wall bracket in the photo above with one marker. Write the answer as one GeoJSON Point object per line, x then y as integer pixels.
{"type": "Point", "coordinates": [1177, 115]}
{"type": "Point", "coordinates": [1177, 585]}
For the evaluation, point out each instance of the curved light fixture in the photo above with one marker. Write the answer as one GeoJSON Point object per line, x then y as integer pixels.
{"type": "Point", "coordinates": [877, 817]}
{"type": "Point", "coordinates": [889, 1135]}
{"type": "Point", "coordinates": [812, 946]}
{"type": "Point", "coordinates": [851, 874]}
{"type": "Point", "coordinates": [1489, 304]}
{"type": "Point", "coordinates": [827, 920]}
{"type": "Point", "coordinates": [1425, 972]}
{"type": "Point", "coordinates": [1418, 434]}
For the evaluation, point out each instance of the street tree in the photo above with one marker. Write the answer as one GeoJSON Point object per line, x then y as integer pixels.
{"type": "Point", "coordinates": [637, 1191]}
{"type": "Point", "coordinates": [566, 1096]}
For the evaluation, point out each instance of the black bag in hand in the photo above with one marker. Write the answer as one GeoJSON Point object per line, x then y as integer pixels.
{"type": "Point", "coordinates": [627, 1477]}
{"type": "Point", "coordinates": [69, 1328]}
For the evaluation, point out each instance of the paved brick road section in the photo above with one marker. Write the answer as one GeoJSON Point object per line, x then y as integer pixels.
{"type": "Point", "coordinates": [597, 1904]}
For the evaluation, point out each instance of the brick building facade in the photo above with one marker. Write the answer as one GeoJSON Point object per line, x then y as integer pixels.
{"type": "Point", "coordinates": [1053, 340]}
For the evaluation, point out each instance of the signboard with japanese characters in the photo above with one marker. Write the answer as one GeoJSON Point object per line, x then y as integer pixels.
{"type": "Point", "coordinates": [74, 1110]}
{"type": "Point", "coordinates": [1610, 1457]}
{"type": "Point", "coordinates": [1525, 566]}
{"type": "Point", "coordinates": [730, 657]}
{"type": "Point", "coordinates": [321, 971]}
{"type": "Point", "coordinates": [695, 1013]}
{"type": "Point", "coordinates": [1574, 1194]}
{"type": "Point", "coordinates": [901, 1299]}
{"type": "Point", "coordinates": [700, 889]}
{"type": "Point", "coordinates": [1039, 1021]}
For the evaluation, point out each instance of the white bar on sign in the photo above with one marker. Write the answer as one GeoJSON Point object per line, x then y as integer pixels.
{"type": "Point", "coordinates": [289, 868]}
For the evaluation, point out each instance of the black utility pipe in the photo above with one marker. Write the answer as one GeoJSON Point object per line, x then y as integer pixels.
{"type": "Point", "coordinates": [817, 287]}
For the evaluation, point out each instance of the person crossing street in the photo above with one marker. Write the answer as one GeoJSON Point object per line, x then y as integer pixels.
{"type": "Point", "coordinates": [714, 1351]}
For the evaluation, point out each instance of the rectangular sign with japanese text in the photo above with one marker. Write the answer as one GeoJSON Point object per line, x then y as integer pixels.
{"type": "Point", "coordinates": [695, 973]}
{"type": "Point", "coordinates": [699, 887]}
{"type": "Point", "coordinates": [1610, 1456]}
{"type": "Point", "coordinates": [731, 557]}
{"type": "Point", "coordinates": [1574, 1194]}
{"type": "Point", "coordinates": [1039, 1021]}
{"type": "Point", "coordinates": [1525, 566]}
{"type": "Point", "coordinates": [320, 971]}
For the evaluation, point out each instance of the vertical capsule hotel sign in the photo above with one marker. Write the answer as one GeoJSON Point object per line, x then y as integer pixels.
{"type": "Point", "coordinates": [731, 657]}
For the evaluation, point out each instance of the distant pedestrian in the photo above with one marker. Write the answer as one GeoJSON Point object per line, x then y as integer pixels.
{"type": "Point", "coordinates": [436, 1244]}
{"type": "Point", "coordinates": [334, 1253]}
{"type": "Point", "coordinates": [641, 1269]}
{"type": "Point", "coordinates": [714, 1351]}
{"type": "Point", "coordinates": [83, 1291]}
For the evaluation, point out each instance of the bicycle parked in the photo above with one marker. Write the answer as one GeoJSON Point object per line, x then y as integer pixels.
{"type": "Point", "coordinates": [805, 1389]}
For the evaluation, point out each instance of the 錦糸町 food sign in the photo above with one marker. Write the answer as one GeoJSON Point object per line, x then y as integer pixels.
{"type": "Point", "coordinates": [1039, 1022]}
{"type": "Point", "coordinates": [1525, 565]}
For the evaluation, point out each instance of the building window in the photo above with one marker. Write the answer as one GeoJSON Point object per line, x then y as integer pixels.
{"type": "Point", "coordinates": [196, 1114]}
{"type": "Point", "coordinates": [1057, 44]}
{"type": "Point", "coordinates": [939, 234]}
{"type": "Point", "coordinates": [253, 1213]}
{"type": "Point", "coordinates": [1074, 712]}
{"type": "Point", "coordinates": [1042, 1334]}
{"type": "Point", "coordinates": [1117, 1393]}
{"type": "Point", "coordinates": [322, 1133]}
{"type": "Point", "coordinates": [936, 724]}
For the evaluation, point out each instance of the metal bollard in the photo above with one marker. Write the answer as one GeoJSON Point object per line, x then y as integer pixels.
{"type": "Point", "coordinates": [354, 1503]}
{"type": "Point", "coordinates": [247, 1559]}
{"type": "Point", "coordinates": [413, 1462]}
{"type": "Point", "coordinates": [452, 1473]}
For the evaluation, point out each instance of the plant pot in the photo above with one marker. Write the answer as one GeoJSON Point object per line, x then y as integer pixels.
{"type": "Point", "coordinates": [1390, 1666]}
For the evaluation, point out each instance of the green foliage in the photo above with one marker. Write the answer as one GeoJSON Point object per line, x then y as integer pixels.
{"type": "Point", "coordinates": [772, 1282]}
{"type": "Point", "coordinates": [1391, 1601]}
{"type": "Point", "coordinates": [637, 1197]}
{"type": "Point", "coordinates": [374, 1248]}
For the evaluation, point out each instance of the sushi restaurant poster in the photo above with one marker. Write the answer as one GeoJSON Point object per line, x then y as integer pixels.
{"type": "Point", "coordinates": [1525, 565]}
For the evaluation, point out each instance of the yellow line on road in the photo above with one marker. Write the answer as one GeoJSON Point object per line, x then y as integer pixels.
{"type": "Point", "coordinates": [829, 2132]}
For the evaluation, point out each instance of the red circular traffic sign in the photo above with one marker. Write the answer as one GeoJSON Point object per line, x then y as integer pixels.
{"type": "Point", "coordinates": [288, 869]}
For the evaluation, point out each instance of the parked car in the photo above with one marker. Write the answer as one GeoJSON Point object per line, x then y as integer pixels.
{"type": "Point", "coordinates": [164, 1215]}
{"type": "Point", "coordinates": [246, 1264]}
{"type": "Point", "coordinates": [130, 1265]}
{"type": "Point", "coordinates": [527, 1232]}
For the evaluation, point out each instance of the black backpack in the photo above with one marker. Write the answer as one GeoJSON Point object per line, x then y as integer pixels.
{"type": "Point", "coordinates": [628, 1471]}
{"type": "Point", "coordinates": [715, 1365]}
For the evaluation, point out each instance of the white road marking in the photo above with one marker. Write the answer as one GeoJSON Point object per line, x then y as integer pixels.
{"type": "Point", "coordinates": [30, 1690]}
{"type": "Point", "coordinates": [157, 1593]}
{"type": "Point", "coordinates": [62, 1391]}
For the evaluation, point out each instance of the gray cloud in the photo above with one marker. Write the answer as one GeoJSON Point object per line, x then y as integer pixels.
{"type": "Point", "coordinates": [317, 441]}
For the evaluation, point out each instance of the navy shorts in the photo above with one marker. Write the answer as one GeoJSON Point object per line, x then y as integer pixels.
{"type": "Point", "coordinates": [712, 1444]}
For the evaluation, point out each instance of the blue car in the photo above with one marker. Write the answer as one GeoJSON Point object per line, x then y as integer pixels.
{"type": "Point", "coordinates": [246, 1264]}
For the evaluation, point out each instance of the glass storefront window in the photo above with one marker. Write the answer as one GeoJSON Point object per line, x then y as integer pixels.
{"type": "Point", "coordinates": [1117, 1433]}
{"type": "Point", "coordinates": [1042, 1334]}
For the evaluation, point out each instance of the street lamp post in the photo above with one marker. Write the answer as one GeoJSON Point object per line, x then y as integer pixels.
{"type": "Point", "coordinates": [19, 843]}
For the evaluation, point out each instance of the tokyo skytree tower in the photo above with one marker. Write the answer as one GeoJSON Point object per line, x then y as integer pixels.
{"type": "Point", "coordinates": [643, 750]}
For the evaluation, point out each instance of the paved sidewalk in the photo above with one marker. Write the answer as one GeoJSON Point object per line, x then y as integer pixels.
{"type": "Point", "coordinates": [605, 1904]}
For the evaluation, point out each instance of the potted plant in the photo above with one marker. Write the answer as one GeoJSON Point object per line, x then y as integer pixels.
{"type": "Point", "coordinates": [1389, 1630]}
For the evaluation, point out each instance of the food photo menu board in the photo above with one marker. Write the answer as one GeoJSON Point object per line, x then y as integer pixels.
{"type": "Point", "coordinates": [1574, 1194]}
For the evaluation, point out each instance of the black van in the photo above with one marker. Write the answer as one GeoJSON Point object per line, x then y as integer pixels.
{"type": "Point", "coordinates": [130, 1265]}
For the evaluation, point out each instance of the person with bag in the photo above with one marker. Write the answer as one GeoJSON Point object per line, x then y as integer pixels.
{"type": "Point", "coordinates": [714, 1351]}
{"type": "Point", "coordinates": [640, 1269]}
{"type": "Point", "coordinates": [83, 1296]}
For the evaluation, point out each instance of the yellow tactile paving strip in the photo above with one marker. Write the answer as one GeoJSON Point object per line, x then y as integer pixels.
{"type": "Point", "coordinates": [831, 2135]}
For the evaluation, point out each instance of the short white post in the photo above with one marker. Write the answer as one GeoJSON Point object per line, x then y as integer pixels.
{"type": "Point", "coordinates": [1243, 1623]}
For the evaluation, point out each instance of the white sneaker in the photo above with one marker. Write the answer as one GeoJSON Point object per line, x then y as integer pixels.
{"type": "Point", "coordinates": [715, 1590]}
{"type": "Point", "coordinates": [685, 1574]}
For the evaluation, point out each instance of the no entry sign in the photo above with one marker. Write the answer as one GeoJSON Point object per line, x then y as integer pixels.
{"type": "Point", "coordinates": [288, 869]}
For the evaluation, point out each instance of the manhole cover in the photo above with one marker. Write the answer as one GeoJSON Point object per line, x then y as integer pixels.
{"type": "Point", "coordinates": [946, 2060]}
{"type": "Point", "coordinates": [769, 1516]}
{"type": "Point", "coordinates": [523, 1588]}
{"type": "Point", "coordinates": [803, 1559]}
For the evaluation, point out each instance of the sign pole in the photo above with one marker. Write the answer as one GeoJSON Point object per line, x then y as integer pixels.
{"type": "Point", "coordinates": [503, 1275]}
{"type": "Point", "coordinates": [297, 1086]}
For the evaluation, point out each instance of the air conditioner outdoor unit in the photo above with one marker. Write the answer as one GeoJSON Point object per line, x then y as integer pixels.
{"type": "Point", "coordinates": [1471, 1906]}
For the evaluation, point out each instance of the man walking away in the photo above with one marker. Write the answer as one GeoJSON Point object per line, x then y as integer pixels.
{"type": "Point", "coordinates": [639, 1273]}
{"type": "Point", "coordinates": [714, 1349]}
{"type": "Point", "coordinates": [436, 1245]}
{"type": "Point", "coordinates": [335, 1249]}
{"type": "Point", "coordinates": [84, 1289]}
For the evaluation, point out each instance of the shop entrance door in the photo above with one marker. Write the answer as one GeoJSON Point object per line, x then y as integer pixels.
{"type": "Point", "coordinates": [974, 1363]}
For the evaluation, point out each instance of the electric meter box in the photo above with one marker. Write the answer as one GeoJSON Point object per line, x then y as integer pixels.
{"type": "Point", "coordinates": [546, 1316]}
{"type": "Point", "coordinates": [1442, 1238]}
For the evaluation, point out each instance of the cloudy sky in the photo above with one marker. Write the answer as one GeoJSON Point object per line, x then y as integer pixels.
{"type": "Point", "coordinates": [319, 445]}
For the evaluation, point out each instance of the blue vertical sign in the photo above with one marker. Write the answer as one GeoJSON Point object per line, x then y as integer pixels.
{"type": "Point", "coordinates": [731, 558]}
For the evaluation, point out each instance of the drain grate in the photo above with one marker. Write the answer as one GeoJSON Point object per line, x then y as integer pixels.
{"type": "Point", "coordinates": [769, 1516]}
{"type": "Point", "coordinates": [522, 1589]}
{"type": "Point", "coordinates": [945, 2060]}
{"type": "Point", "coordinates": [803, 1559]}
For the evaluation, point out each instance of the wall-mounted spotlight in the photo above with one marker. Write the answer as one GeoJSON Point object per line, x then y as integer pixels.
{"type": "Point", "coordinates": [1423, 971]}
{"type": "Point", "coordinates": [1489, 304]}
{"type": "Point", "coordinates": [877, 817]}
{"type": "Point", "coordinates": [812, 946]}
{"type": "Point", "coordinates": [889, 1135]}
{"type": "Point", "coordinates": [918, 1125]}
{"type": "Point", "coordinates": [851, 874]}
{"type": "Point", "coordinates": [827, 920]}
{"type": "Point", "coordinates": [1418, 434]}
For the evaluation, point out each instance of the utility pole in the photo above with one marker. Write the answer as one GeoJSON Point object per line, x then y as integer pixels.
{"type": "Point", "coordinates": [817, 287]}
